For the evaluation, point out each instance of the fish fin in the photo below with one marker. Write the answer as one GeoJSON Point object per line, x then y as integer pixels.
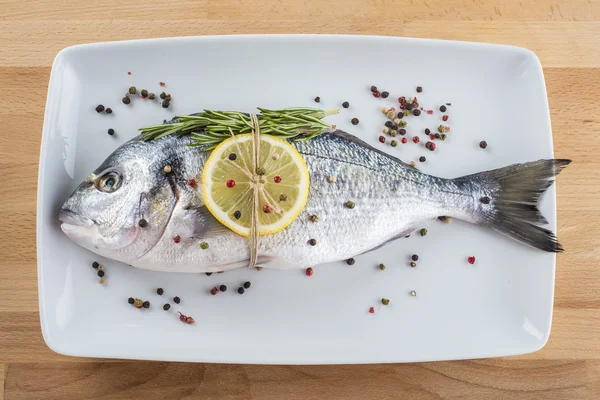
{"type": "Point", "coordinates": [198, 222]}
{"type": "Point", "coordinates": [351, 138]}
{"type": "Point", "coordinates": [513, 194]}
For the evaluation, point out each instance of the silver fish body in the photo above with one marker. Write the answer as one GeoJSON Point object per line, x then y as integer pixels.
{"type": "Point", "coordinates": [391, 199]}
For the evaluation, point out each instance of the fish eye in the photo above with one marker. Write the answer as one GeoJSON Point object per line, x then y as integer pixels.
{"type": "Point", "coordinates": [108, 182]}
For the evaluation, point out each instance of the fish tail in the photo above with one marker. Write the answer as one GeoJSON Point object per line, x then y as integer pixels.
{"type": "Point", "coordinates": [509, 197]}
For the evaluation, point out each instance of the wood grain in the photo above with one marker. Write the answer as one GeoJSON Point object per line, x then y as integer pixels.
{"type": "Point", "coordinates": [564, 34]}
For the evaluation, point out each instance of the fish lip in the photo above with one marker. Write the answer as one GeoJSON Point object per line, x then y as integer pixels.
{"type": "Point", "coordinates": [69, 217]}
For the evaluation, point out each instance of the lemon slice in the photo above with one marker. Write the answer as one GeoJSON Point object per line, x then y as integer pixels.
{"type": "Point", "coordinates": [228, 183]}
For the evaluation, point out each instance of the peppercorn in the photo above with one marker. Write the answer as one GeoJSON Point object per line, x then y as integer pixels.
{"type": "Point", "coordinates": [260, 171]}
{"type": "Point", "coordinates": [166, 307]}
{"type": "Point", "coordinates": [138, 303]}
{"type": "Point", "coordinates": [443, 136]}
{"type": "Point", "coordinates": [240, 290]}
{"type": "Point", "coordinates": [402, 131]}
{"type": "Point", "coordinates": [350, 261]}
{"type": "Point", "coordinates": [177, 239]}
{"type": "Point", "coordinates": [393, 133]}
{"type": "Point", "coordinates": [406, 113]}
{"type": "Point", "coordinates": [437, 136]}
{"type": "Point", "coordinates": [214, 291]}
{"type": "Point", "coordinates": [232, 156]}
{"type": "Point", "coordinates": [189, 320]}
{"type": "Point", "coordinates": [203, 245]}
{"type": "Point", "coordinates": [416, 112]}
{"type": "Point", "coordinates": [395, 127]}
{"type": "Point", "coordinates": [132, 90]}
{"type": "Point", "coordinates": [144, 93]}
{"type": "Point", "coordinates": [309, 271]}
{"type": "Point", "coordinates": [485, 200]}
{"type": "Point", "coordinates": [162, 96]}
{"type": "Point", "coordinates": [111, 131]}
{"type": "Point", "coordinates": [483, 144]}
{"type": "Point", "coordinates": [165, 104]}
{"type": "Point", "coordinates": [314, 218]}
{"type": "Point", "coordinates": [422, 159]}
{"type": "Point", "coordinates": [146, 304]}
{"type": "Point", "coordinates": [412, 164]}
{"type": "Point", "coordinates": [130, 300]}
{"type": "Point", "coordinates": [223, 288]}
{"type": "Point", "coordinates": [282, 197]}
{"type": "Point", "coordinates": [385, 301]}
{"type": "Point", "coordinates": [109, 110]}
{"type": "Point", "coordinates": [413, 264]}
{"type": "Point", "coordinates": [376, 94]}
{"type": "Point", "coordinates": [208, 273]}
{"type": "Point", "coordinates": [388, 124]}
{"type": "Point", "coordinates": [167, 169]}
{"type": "Point", "coordinates": [404, 140]}
{"type": "Point", "coordinates": [101, 267]}
{"type": "Point", "coordinates": [176, 300]}
{"type": "Point", "coordinates": [382, 267]}
{"type": "Point", "coordinates": [317, 99]}
{"type": "Point", "coordinates": [99, 108]}
{"type": "Point", "coordinates": [332, 179]}
{"type": "Point", "coordinates": [349, 204]}
{"type": "Point", "coordinates": [419, 89]}
{"type": "Point", "coordinates": [381, 139]}
{"type": "Point", "coordinates": [385, 129]}
{"type": "Point", "coordinates": [312, 242]}
{"type": "Point", "coordinates": [430, 145]}
{"type": "Point", "coordinates": [354, 121]}
{"type": "Point", "coordinates": [427, 131]}
{"type": "Point", "coordinates": [416, 139]}
{"type": "Point", "coordinates": [471, 259]}
{"type": "Point", "coordinates": [413, 293]}
{"type": "Point", "coordinates": [373, 88]}
{"type": "Point", "coordinates": [444, 118]}
{"type": "Point", "coordinates": [423, 232]}
{"type": "Point", "coordinates": [445, 219]}
{"type": "Point", "coordinates": [408, 107]}
{"type": "Point", "coordinates": [247, 285]}
{"type": "Point", "coordinates": [443, 108]}
{"type": "Point", "coordinates": [345, 104]}
{"type": "Point", "coordinates": [385, 94]}
{"type": "Point", "coordinates": [95, 265]}
{"type": "Point", "coordinates": [371, 310]}
{"type": "Point", "coordinates": [237, 214]}
{"type": "Point", "coordinates": [393, 143]}
{"type": "Point", "coordinates": [101, 274]}
{"type": "Point", "coordinates": [182, 317]}
{"type": "Point", "coordinates": [126, 100]}
{"type": "Point", "coordinates": [403, 124]}
{"type": "Point", "coordinates": [151, 96]}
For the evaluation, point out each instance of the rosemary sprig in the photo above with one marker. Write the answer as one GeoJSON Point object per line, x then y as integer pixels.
{"type": "Point", "coordinates": [211, 127]}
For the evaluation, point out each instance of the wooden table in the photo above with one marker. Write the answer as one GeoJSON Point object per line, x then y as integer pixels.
{"type": "Point", "coordinates": [565, 35]}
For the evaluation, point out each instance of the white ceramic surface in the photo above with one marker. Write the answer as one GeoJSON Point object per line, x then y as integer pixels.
{"type": "Point", "coordinates": [500, 306]}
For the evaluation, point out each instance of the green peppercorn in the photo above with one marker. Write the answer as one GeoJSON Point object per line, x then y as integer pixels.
{"type": "Point", "coordinates": [126, 100]}
{"type": "Point", "coordinates": [349, 204]}
{"type": "Point", "coordinates": [260, 171]}
{"type": "Point", "coordinates": [314, 218]}
{"type": "Point", "coordinates": [406, 113]}
{"type": "Point", "coordinates": [385, 301]}
{"type": "Point", "coordinates": [151, 96]}
{"type": "Point", "coordinates": [138, 303]}
{"type": "Point", "coordinates": [443, 136]}
{"type": "Point", "coordinates": [203, 245]}
{"type": "Point", "coordinates": [413, 264]}
{"type": "Point", "coordinates": [440, 128]}
{"type": "Point", "coordinates": [382, 267]}
{"type": "Point", "coordinates": [423, 232]}
{"type": "Point", "coordinates": [403, 124]}
{"type": "Point", "coordinates": [162, 96]}
{"type": "Point", "coordinates": [282, 197]}
{"type": "Point", "coordinates": [132, 90]}
{"type": "Point", "coordinates": [393, 143]}
{"type": "Point", "coordinates": [144, 93]}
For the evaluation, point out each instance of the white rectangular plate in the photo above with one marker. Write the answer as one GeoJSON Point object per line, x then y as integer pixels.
{"type": "Point", "coordinates": [501, 305]}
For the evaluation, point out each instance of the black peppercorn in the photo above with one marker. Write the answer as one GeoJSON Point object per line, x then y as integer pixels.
{"type": "Point", "coordinates": [166, 307]}
{"type": "Point", "coordinates": [162, 96]}
{"type": "Point", "coordinates": [350, 261]}
{"type": "Point", "coordinates": [237, 214]}
{"type": "Point", "coordinates": [130, 300]}
{"type": "Point", "coordinates": [109, 110]}
{"type": "Point", "coordinates": [101, 274]}
{"type": "Point", "coordinates": [166, 103]}
{"type": "Point", "coordinates": [247, 285]}
{"type": "Point", "coordinates": [317, 99]}
{"type": "Point", "coordinates": [437, 135]}
{"type": "Point", "coordinates": [394, 127]}
{"type": "Point", "coordinates": [354, 121]}
{"type": "Point", "coordinates": [443, 108]}
{"type": "Point", "coordinates": [389, 124]}
{"type": "Point", "coordinates": [208, 273]}
{"type": "Point", "coordinates": [373, 88]}
{"type": "Point", "coordinates": [415, 257]}
{"type": "Point", "coordinates": [483, 144]}
{"type": "Point", "coordinates": [312, 242]}
{"type": "Point", "coordinates": [232, 156]}
{"type": "Point", "coordinates": [132, 90]}
{"type": "Point", "coordinates": [160, 291]}
{"type": "Point", "coordinates": [95, 264]}
{"type": "Point", "coordinates": [400, 115]}
{"type": "Point", "coordinates": [384, 95]}
{"type": "Point", "coordinates": [416, 112]}
{"type": "Point", "coordinates": [176, 300]}
{"type": "Point", "coordinates": [402, 131]}
{"type": "Point", "coordinates": [419, 89]}
{"type": "Point", "coordinates": [111, 131]}
{"type": "Point", "coordinates": [143, 223]}
{"type": "Point", "coordinates": [409, 107]}
{"type": "Point", "coordinates": [146, 304]}
{"type": "Point", "coordinates": [345, 104]}
{"type": "Point", "coordinates": [126, 100]}
{"type": "Point", "coordinates": [422, 158]}
{"type": "Point", "coordinates": [99, 108]}
{"type": "Point", "coordinates": [241, 290]}
{"type": "Point", "coordinates": [427, 131]}
{"type": "Point", "coordinates": [223, 288]}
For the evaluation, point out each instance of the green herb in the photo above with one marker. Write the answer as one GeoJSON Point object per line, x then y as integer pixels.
{"type": "Point", "coordinates": [211, 127]}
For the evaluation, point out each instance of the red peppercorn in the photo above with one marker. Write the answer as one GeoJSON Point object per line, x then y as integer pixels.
{"type": "Point", "coordinates": [277, 179]}
{"type": "Point", "coordinates": [446, 128]}
{"type": "Point", "coordinates": [445, 118]}
{"type": "Point", "coordinates": [177, 239]}
{"type": "Point", "coordinates": [471, 259]}
{"type": "Point", "coordinates": [129, 73]}
{"type": "Point", "coordinates": [431, 136]}
{"type": "Point", "coordinates": [309, 271]}
{"type": "Point", "coordinates": [429, 112]}
{"type": "Point", "coordinates": [189, 320]}
{"type": "Point", "coordinates": [267, 209]}
{"type": "Point", "coordinates": [162, 84]}
{"type": "Point", "coordinates": [404, 140]}
{"type": "Point", "coordinates": [214, 291]}
{"type": "Point", "coordinates": [432, 146]}
{"type": "Point", "coordinates": [192, 182]}
{"type": "Point", "coordinates": [416, 139]}
{"type": "Point", "coordinates": [230, 183]}
{"type": "Point", "coordinates": [381, 139]}
{"type": "Point", "coordinates": [376, 94]}
{"type": "Point", "coordinates": [372, 310]}
{"type": "Point", "coordinates": [182, 317]}
{"type": "Point", "coordinates": [401, 99]}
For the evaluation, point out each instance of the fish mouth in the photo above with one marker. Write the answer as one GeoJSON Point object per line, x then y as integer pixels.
{"type": "Point", "coordinates": [69, 217]}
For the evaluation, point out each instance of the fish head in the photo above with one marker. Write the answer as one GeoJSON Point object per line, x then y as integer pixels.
{"type": "Point", "coordinates": [104, 214]}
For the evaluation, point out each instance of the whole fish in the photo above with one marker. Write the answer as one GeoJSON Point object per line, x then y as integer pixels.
{"type": "Point", "coordinates": [391, 199]}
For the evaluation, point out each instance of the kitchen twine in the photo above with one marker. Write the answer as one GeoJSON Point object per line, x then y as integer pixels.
{"type": "Point", "coordinates": [255, 179]}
